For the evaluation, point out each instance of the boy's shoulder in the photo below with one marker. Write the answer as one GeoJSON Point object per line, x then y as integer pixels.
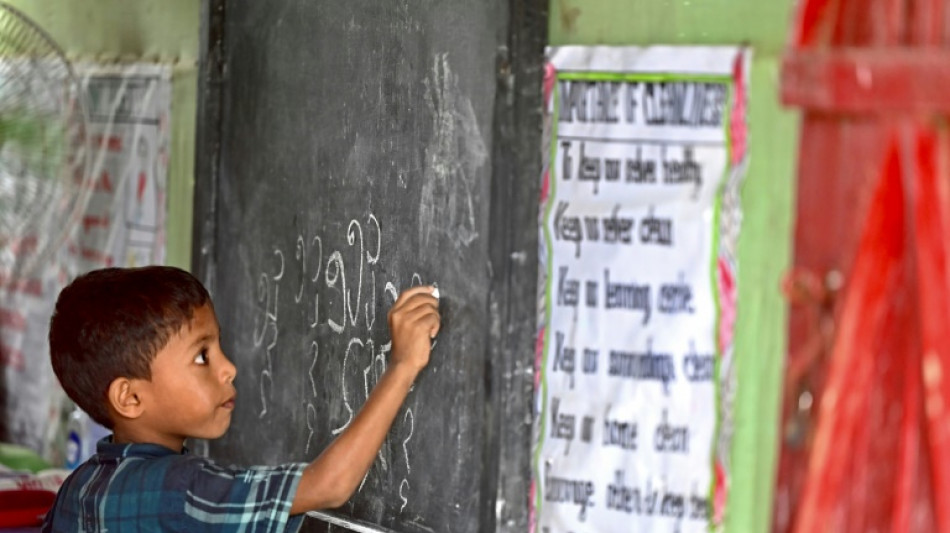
{"type": "Point", "coordinates": [150, 483]}
{"type": "Point", "coordinates": [136, 475]}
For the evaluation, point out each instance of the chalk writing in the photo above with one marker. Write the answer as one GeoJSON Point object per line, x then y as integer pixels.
{"type": "Point", "coordinates": [301, 255]}
{"type": "Point", "coordinates": [311, 409]}
{"type": "Point", "coordinates": [346, 400]}
{"type": "Point", "coordinates": [373, 259]}
{"type": "Point", "coordinates": [403, 485]}
{"type": "Point", "coordinates": [311, 424]}
{"type": "Point", "coordinates": [352, 231]}
{"type": "Point", "coordinates": [268, 294]}
{"type": "Point", "coordinates": [334, 273]}
{"type": "Point", "coordinates": [313, 366]}
{"type": "Point", "coordinates": [316, 276]}
{"type": "Point", "coordinates": [411, 419]}
{"type": "Point", "coordinates": [343, 279]}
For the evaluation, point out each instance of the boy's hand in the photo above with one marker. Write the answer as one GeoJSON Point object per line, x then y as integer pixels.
{"type": "Point", "coordinates": [413, 322]}
{"type": "Point", "coordinates": [331, 478]}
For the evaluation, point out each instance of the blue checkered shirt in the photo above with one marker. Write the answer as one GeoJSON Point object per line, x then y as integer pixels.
{"type": "Point", "coordinates": [147, 487]}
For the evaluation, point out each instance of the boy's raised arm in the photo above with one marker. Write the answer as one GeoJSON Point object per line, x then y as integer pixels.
{"type": "Point", "coordinates": [331, 478]}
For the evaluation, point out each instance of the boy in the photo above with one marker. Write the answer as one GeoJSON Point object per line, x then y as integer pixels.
{"type": "Point", "coordinates": [138, 350]}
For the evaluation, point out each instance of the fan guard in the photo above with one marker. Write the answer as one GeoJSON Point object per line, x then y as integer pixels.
{"type": "Point", "coordinates": [44, 177]}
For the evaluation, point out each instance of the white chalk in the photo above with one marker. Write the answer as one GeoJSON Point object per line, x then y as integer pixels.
{"type": "Point", "coordinates": [435, 293]}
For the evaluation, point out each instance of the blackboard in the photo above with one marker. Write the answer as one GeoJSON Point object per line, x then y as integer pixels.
{"type": "Point", "coordinates": [347, 151]}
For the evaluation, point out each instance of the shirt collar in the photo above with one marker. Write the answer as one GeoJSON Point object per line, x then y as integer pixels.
{"type": "Point", "coordinates": [110, 451]}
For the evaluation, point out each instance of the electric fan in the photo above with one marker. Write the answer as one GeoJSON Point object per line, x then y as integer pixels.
{"type": "Point", "coordinates": [44, 178]}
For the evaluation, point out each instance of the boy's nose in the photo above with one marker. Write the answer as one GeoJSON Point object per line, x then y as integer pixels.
{"type": "Point", "coordinates": [229, 371]}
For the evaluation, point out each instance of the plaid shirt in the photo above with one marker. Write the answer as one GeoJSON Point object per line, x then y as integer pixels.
{"type": "Point", "coordinates": [147, 487]}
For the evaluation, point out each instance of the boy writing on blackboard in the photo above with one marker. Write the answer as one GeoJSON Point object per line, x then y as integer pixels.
{"type": "Point", "coordinates": [139, 350]}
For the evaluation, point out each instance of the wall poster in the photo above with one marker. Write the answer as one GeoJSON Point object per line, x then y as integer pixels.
{"type": "Point", "coordinates": [128, 108]}
{"type": "Point", "coordinates": [645, 149]}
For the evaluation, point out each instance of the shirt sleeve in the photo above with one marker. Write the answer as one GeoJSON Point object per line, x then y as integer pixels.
{"type": "Point", "coordinates": [255, 499]}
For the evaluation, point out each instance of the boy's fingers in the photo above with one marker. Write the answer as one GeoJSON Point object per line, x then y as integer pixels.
{"type": "Point", "coordinates": [425, 315]}
{"type": "Point", "coordinates": [436, 326]}
{"type": "Point", "coordinates": [415, 297]}
{"type": "Point", "coordinates": [412, 291]}
{"type": "Point", "coordinates": [433, 321]}
{"type": "Point", "coordinates": [421, 312]}
{"type": "Point", "coordinates": [417, 304]}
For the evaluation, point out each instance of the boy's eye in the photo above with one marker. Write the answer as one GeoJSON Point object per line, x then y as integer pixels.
{"type": "Point", "coordinates": [202, 357]}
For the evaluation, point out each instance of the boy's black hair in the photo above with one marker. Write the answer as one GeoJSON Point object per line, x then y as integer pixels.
{"type": "Point", "coordinates": [111, 323]}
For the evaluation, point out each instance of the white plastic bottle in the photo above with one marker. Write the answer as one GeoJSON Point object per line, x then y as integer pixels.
{"type": "Point", "coordinates": [82, 434]}
{"type": "Point", "coordinates": [75, 438]}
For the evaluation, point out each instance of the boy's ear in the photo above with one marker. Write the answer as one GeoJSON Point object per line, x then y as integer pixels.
{"type": "Point", "coordinates": [124, 398]}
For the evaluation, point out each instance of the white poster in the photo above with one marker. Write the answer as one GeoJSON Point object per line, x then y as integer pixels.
{"type": "Point", "coordinates": [123, 224]}
{"type": "Point", "coordinates": [645, 148]}
{"type": "Point", "coordinates": [129, 108]}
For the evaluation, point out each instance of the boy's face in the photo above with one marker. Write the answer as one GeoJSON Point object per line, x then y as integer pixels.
{"type": "Point", "coordinates": [191, 393]}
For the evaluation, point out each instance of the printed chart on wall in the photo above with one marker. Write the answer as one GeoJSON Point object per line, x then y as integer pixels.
{"type": "Point", "coordinates": [123, 224]}
{"type": "Point", "coordinates": [129, 109]}
{"type": "Point", "coordinates": [645, 151]}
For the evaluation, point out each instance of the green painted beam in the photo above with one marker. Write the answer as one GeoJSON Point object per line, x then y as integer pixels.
{"type": "Point", "coordinates": [148, 30]}
{"type": "Point", "coordinates": [767, 201]}
{"type": "Point", "coordinates": [151, 31]}
{"type": "Point", "coordinates": [765, 250]}
{"type": "Point", "coordinates": [764, 24]}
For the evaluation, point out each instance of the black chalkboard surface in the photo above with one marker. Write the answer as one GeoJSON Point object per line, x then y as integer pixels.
{"type": "Point", "coordinates": [348, 151]}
